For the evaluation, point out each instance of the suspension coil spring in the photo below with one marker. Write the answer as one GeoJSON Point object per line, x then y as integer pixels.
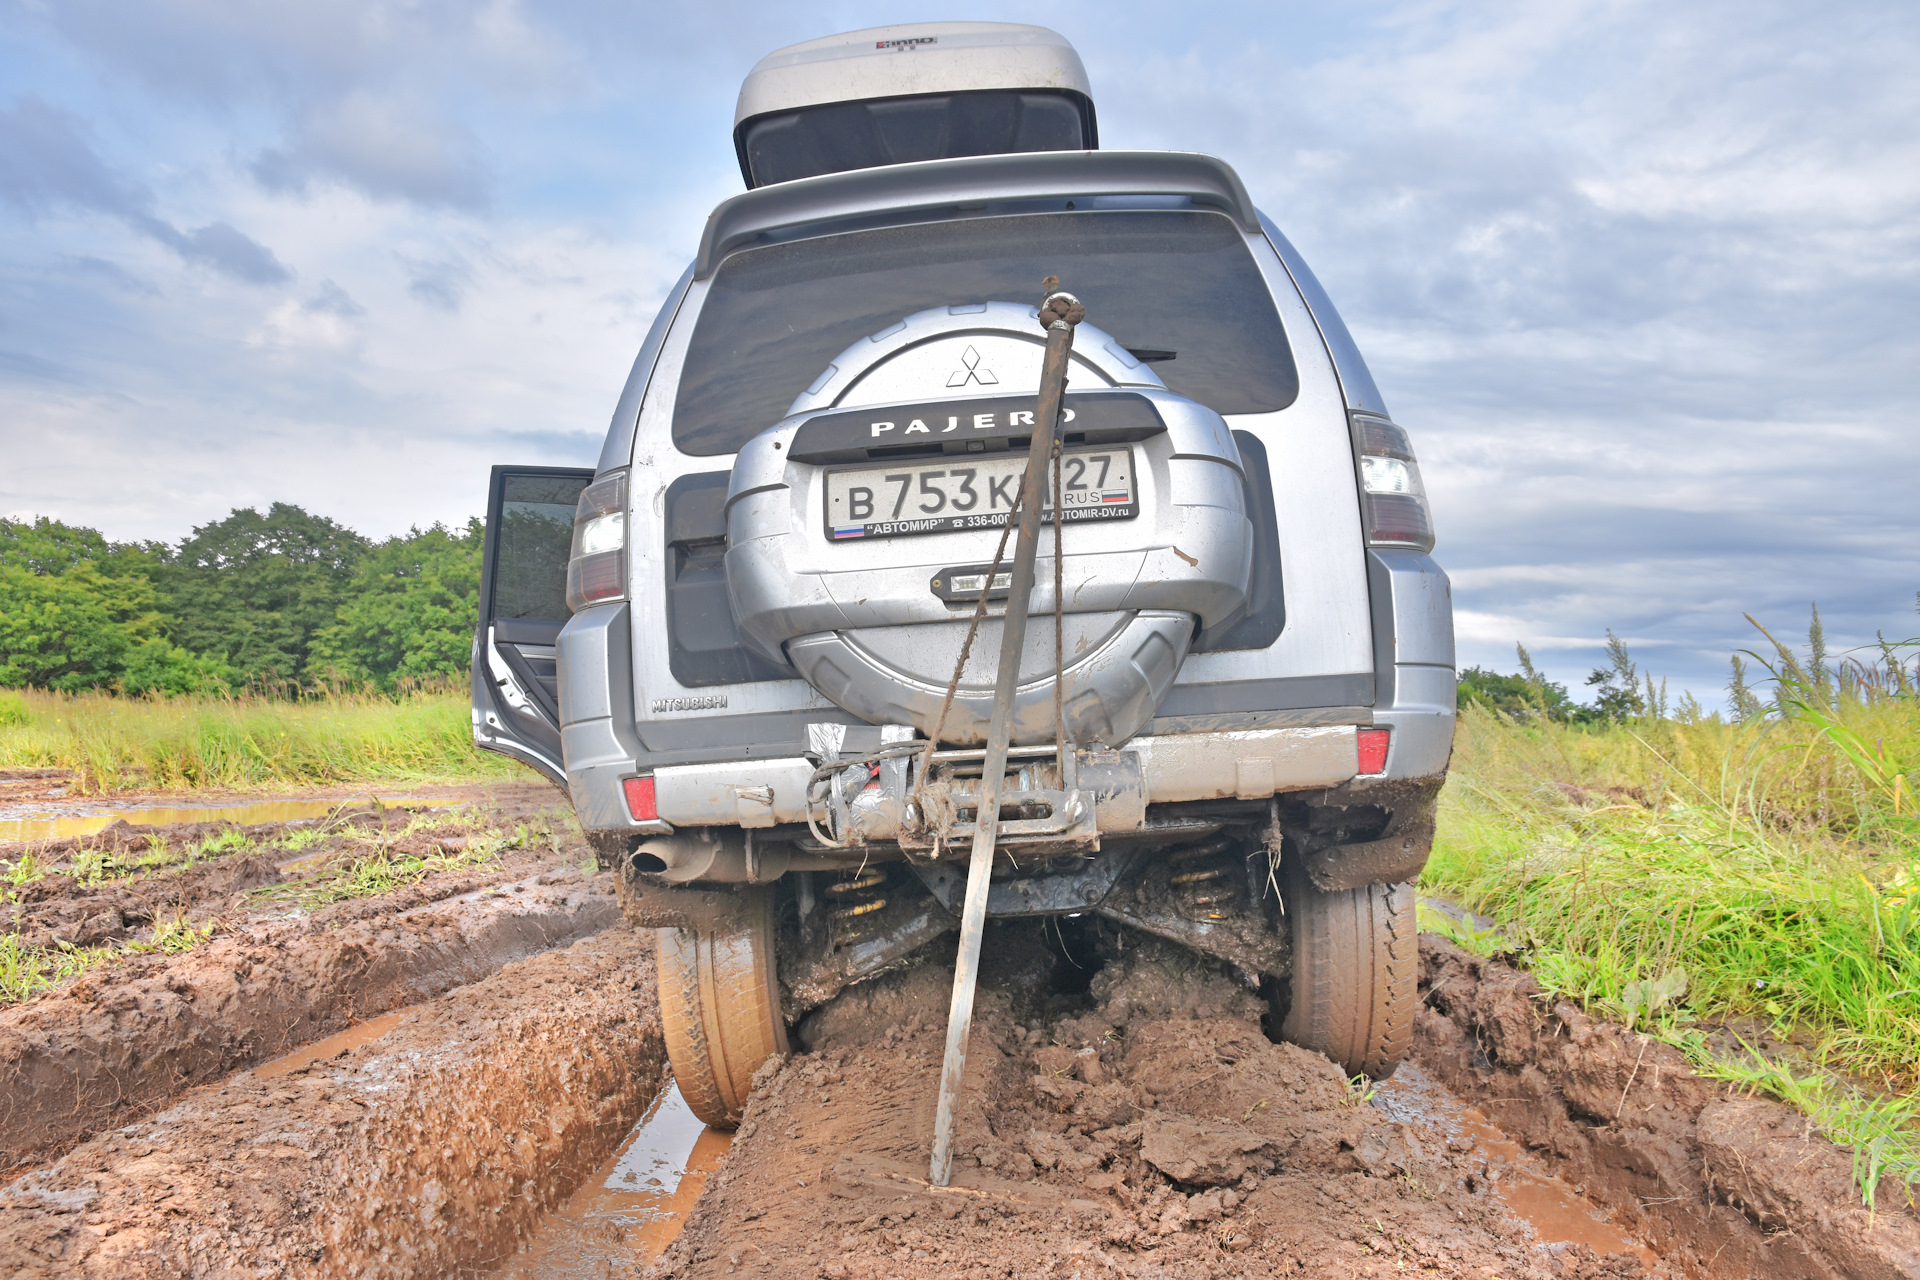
{"type": "Point", "coordinates": [858, 895]}
{"type": "Point", "coordinates": [1203, 878]}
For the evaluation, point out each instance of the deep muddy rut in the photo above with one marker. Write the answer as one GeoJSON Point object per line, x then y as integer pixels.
{"type": "Point", "coordinates": [446, 1079]}
{"type": "Point", "coordinates": [1146, 1127]}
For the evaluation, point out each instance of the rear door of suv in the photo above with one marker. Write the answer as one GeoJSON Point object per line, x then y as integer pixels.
{"type": "Point", "coordinates": [523, 605]}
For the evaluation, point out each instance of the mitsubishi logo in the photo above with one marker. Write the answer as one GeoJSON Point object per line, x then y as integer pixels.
{"type": "Point", "coordinates": [973, 371]}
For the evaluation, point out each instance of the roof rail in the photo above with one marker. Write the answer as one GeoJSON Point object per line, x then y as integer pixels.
{"type": "Point", "coordinates": [931, 186]}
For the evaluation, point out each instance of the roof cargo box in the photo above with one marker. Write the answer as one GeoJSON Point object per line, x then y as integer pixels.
{"type": "Point", "coordinates": [919, 91]}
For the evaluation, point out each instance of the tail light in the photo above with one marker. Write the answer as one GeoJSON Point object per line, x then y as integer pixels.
{"type": "Point", "coordinates": [1394, 499]}
{"type": "Point", "coordinates": [597, 570]}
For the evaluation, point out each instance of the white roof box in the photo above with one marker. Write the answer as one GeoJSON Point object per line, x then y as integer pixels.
{"type": "Point", "coordinates": [918, 91]}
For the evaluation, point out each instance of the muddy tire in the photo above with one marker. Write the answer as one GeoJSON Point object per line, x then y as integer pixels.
{"type": "Point", "coordinates": [1356, 961]}
{"type": "Point", "coordinates": [720, 1007]}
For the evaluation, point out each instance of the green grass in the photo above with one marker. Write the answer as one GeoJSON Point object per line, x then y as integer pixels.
{"type": "Point", "coordinates": [1677, 875]}
{"type": "Point", "coordinates": [114, 743]}
{"type": "Point", "coordinates": [368, 870]}
{"type": "Point", "coordinates": [1882, 1130]}
{"type": "Point", "coordinates": [26, 971]}
{"type": "Point", "coordinates": [370, 862]}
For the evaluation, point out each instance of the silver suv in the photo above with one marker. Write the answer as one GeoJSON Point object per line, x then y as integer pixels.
{"type": "Point", "coordinates": [746, 644]}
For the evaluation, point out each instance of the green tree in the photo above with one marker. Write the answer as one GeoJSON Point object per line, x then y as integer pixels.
{"type": "Point", "coordinates": [1511, 695]}
{"type": "Point", "coordinates": [253, 590]}
{"type": "Point", "coordinates": [72, 604]}
{"type": "Point", "coordinates": [161, 667]}
{"type": "Point", "coordinates": [1618, 695]}
{"type": "Point", "coordinates": [1522, 696]}
{"type": "Point", "coordinates": [46, 546]}
{"type": "Point", "coordinates": [1743, 703]}
{"type": "Point", "coordinates": [412, 612]}
{"type": "Point", "coordinates": [70, 630]}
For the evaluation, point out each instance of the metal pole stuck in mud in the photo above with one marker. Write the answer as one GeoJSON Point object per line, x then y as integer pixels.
{"type": "Point", "coordinates": [1058, 314]}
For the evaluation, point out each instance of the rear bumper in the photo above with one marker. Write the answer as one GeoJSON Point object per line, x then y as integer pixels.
{"type": "Point", "coordinates": [1248, 765]}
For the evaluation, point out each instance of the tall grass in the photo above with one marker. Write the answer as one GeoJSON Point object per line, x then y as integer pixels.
{"type": "Point", "coordinates": [113, 743]}
{"type": "Point", "coordinates": [1762, 876]}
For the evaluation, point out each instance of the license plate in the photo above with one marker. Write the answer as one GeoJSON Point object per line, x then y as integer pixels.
{"type": "Point", "coordinates": [952, 493]}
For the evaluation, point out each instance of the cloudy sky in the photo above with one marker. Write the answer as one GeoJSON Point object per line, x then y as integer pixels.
{"type": "Point", "coordinates": [1643, 279]}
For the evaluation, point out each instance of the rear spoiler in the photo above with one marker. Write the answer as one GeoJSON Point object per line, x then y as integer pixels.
{"type": "Point", "coordinates": [933, 189]}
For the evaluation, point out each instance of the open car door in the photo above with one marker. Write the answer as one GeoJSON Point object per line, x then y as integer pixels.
{"type": "Point", "coordinates": [523, 605]}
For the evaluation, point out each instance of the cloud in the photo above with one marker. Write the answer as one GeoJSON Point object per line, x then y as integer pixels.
{"type": "Point", "coordinates": [329, 319]}
{"type": "Point", "coordinates": [226, 250]}
{"type": "Point", "coordinates": [1639, 278]}
{"type": "Point", "coordinates": [440, 284]}
{"type": "Point", "coordinates": [94, 268]}
{"type": "Point", "coordinates": [47, 162]}
{"type": "Point", "coordinates": [381, 146]}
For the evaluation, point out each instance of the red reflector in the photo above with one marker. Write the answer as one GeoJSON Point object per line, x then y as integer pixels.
{"type": "Point", "coordinates": [603, 576]}
{"type": "Point", "coordinates": [1373, 751]}
{"type": "Point", "coordinates": [640, 801]}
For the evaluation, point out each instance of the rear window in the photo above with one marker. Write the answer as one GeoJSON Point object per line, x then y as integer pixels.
{"type": "Point", "coordinates": [837, 136]}
{"type": "Point", "coordinates": [1179, 288]}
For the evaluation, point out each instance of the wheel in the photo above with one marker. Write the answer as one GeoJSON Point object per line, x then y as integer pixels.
{"type": "Point", "coordinates": [720, 1007]}
{"type": "Point", "coordinates": [1356, 961]}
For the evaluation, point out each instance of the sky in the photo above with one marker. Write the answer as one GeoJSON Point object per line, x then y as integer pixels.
{"type": "Point", "coordinates": [1642, 280]}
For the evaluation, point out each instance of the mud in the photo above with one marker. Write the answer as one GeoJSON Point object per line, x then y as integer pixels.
{"type": "Point", "coordinates": [127, 1036]}
{"type": "Point", "coordinates": [1723, 1184]}
{"type": "Point", "coordinates": [99, 1053]}
{"type": "Point", "coordinates": [111, 882]}
{"type": "Point", "coordinates": [1145, 1127]}
{"type": "Point", "coordinates": [39, 805]}
{"type": "Point", "coordinates": [445, 1081]}
{"type": "Point", "coordinates": [430, 1151]}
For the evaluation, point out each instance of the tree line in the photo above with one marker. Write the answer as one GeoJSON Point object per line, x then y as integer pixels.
{"type": "Point", "coordinates": [287, 602]}
{"type": "Point", "coordinates": [1624, 691]}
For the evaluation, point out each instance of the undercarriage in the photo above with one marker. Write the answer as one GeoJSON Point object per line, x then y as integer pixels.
{"type": "Point", "coordinates": [782, 922]}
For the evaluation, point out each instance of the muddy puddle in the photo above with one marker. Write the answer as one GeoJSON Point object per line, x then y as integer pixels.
{"type": "Point", "coordinates": [1555, 1211]}
{"type": "Point", "coordinates": [21, 824]}
{"type": "Point", "coordinates": [633, 1206]}
{"type": "Point", "coordinates": [331, 1047]}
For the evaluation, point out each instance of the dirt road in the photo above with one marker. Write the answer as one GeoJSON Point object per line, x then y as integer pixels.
{"type": "Point", "coordinates": [480, 1039]}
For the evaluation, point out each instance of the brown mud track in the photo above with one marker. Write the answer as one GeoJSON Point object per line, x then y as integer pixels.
{"type": "Point", "coordinates": [129, 1034]}
{"type": "Point", "coordinates": [50, 793]}
{"type": "Point", "coordinates": [1731, 1185]}
{"type": "Point", "coordinates": [429, 1151]}
{"type": "Point", "coordinates": [1129, 1118]}
{"type": "Point", "coordinates": [1154, 1130]}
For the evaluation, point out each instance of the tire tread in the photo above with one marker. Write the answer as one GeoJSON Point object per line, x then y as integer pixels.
{"type": "Point", "coordinates": [720, 1010]}
{"type": "Point", "coordinates": [1356, 972]}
